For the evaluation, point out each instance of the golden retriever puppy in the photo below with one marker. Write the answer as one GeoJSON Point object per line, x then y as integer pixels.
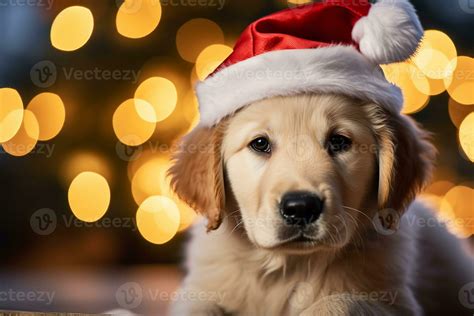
{"type": "Point", "coordinates": [297, 192]}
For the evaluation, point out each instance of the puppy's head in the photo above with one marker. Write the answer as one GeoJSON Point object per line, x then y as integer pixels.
{"type": "Point", "coordinates": [306, 172]}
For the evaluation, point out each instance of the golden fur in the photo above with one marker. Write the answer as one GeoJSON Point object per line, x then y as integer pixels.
{"type": "Point", "coordinates": [243, 267]}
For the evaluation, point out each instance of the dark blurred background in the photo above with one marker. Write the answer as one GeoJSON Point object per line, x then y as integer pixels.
{"type": "Point", "coordinates": [74, 87]}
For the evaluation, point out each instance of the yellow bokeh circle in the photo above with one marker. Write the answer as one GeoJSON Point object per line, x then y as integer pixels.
{"type": "Point", "coordinates": [89, 196]}
{"type": "Point", "coordinates": [50, 113]}
{"type": "Point", "coordinates": [466, 136]}
{"type": "Point", "coordinates": [439, 188]}
{"type": "Point", "coordinates": [158, 219]}
{"type": "Point", "coordinates": [298, 2]}
{"type": "Point", "coordinates": [434, 55]}
{"type": "Point", "coordinates": [11, 113]}
{"type": "Point", "coordinates": [26, 138]}
{"type": "Point", "coordinates": [456, 206]}
{"type": "Point", "coordinates": [84, 160]}
{"type": "Point", "coordinates": [436, 86]}
{"type": "Point", "coordinates": [161, 94]}
{"type": "Point", "coordinates": [195, 35]}
{"type": "Point", "coordinates": [149, 179]}
{"type": "Point", "coordinates": [72, 28]}
{"type": "Point", "coordinates": [210, 58]}
{"type": "Point", "coordinates": [191, 112]}
{"type": "Point", "coordinates": [412, 82]}
{"type": "Point", "coordinates": [137, 19]}
{"type": "Point", "coordinates": [129, 126]}
{"type": "Point", "coordinates": [460, 84]}
{"type": "Point", "coordinates": [457, 111]}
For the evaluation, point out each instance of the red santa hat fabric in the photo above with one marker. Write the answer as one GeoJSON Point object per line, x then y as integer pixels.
{"type": "Point", "coordinates": [334, 46]}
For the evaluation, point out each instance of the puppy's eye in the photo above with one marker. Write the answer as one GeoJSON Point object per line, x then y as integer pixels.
{"type": "Point", "coordinates": [338, 143]}
{"type": "Point", "coordinates": [261, 144]}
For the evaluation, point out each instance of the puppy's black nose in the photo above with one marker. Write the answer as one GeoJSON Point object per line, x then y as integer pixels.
{"type": "Point", "coordinates": [301, 208]}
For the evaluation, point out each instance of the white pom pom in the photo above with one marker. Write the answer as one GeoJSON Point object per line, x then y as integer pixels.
{"type": "Point", "coordinates": [391, 32]}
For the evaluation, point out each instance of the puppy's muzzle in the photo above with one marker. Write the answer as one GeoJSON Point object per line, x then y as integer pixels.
{"type": "Point", "coordinates": [301, 208]}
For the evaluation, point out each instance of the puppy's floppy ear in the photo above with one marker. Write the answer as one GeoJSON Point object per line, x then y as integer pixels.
{"type": "Point", "coordinates": [406, 159]}
{"type": "Point", "coordinates": [197, 172]}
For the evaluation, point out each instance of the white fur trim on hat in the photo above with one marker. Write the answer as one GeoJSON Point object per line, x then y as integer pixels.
{"type": "Point", "coordinates": [391, 32]}
{"type": "Point", "coordinates": [334, 69]}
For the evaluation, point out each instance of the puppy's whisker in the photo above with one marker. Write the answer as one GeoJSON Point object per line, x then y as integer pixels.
{"type": "Point", "coordinates": [357, 238]}
{"type": "Point", "coordinates": [232, 213]}
{"type": "Point", "coordinates": [331, 236]}
{"type": "Point", "coordinates": [239, 223]}
{"type": "Point", "coordinates": [356, 210]}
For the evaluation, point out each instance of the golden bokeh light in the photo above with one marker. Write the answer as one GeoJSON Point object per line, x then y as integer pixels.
{"type": "Point", "coordinates": [149, 179]}
{"type": "Point", "coordinates": [89, 196]}
{"type": "Point", "coordinates": [187, 215]}
{"type": "Point", "coordinates": [26, 138]}
{"type": "Point", "coordinates": [435, 54]}
{"type": "Point", "coordinates": [145, 156]}
{"type": "Point", "coordinates": [439, 188]}
{"type": "Point", "coordinates": [436, 86]}
{"type": "Point", "coordinates": [460, 84]}
{"type": "Point", "coordinates": [466, 136]}
{"type": "Point", "coordinates": [456, 206]}
{"type": "Point", "coordinates": [158, 219]}
{"type": "Point", "coordinates": [191, 112]}
{"type": "Point", "coordinates": [195, 35]}
{"type": "Point", "coordinates": [193, 77]}
{"type": "Point", "coordinates": [72, 28]}
{"type": "Point", "coordinates": [165, 67]}
{"type": "Point", "coordinates": [299, 2]}
{"type": "Point", "coordinates": [137, 19]}
{"type": "Point", "coordinates": [210, 58]}
{"type": "Point", "coordinates": [129, 126]}
{"type": "Point", "coordinates": [457, 112]}
{"type": "Point", "coordinates": [82, 161]}
{"type": "Point", "coordinates": [412, 82]}
{"type": "Point", "coordinates": [50, 113]}
{"type": "Point", "coordinates": [161, 93]}
{"type": "Point", "coordinates": [11, 113]}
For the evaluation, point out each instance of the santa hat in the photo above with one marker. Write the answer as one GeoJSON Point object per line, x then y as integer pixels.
{"type": "Point", "coordinates": [334, 46]}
